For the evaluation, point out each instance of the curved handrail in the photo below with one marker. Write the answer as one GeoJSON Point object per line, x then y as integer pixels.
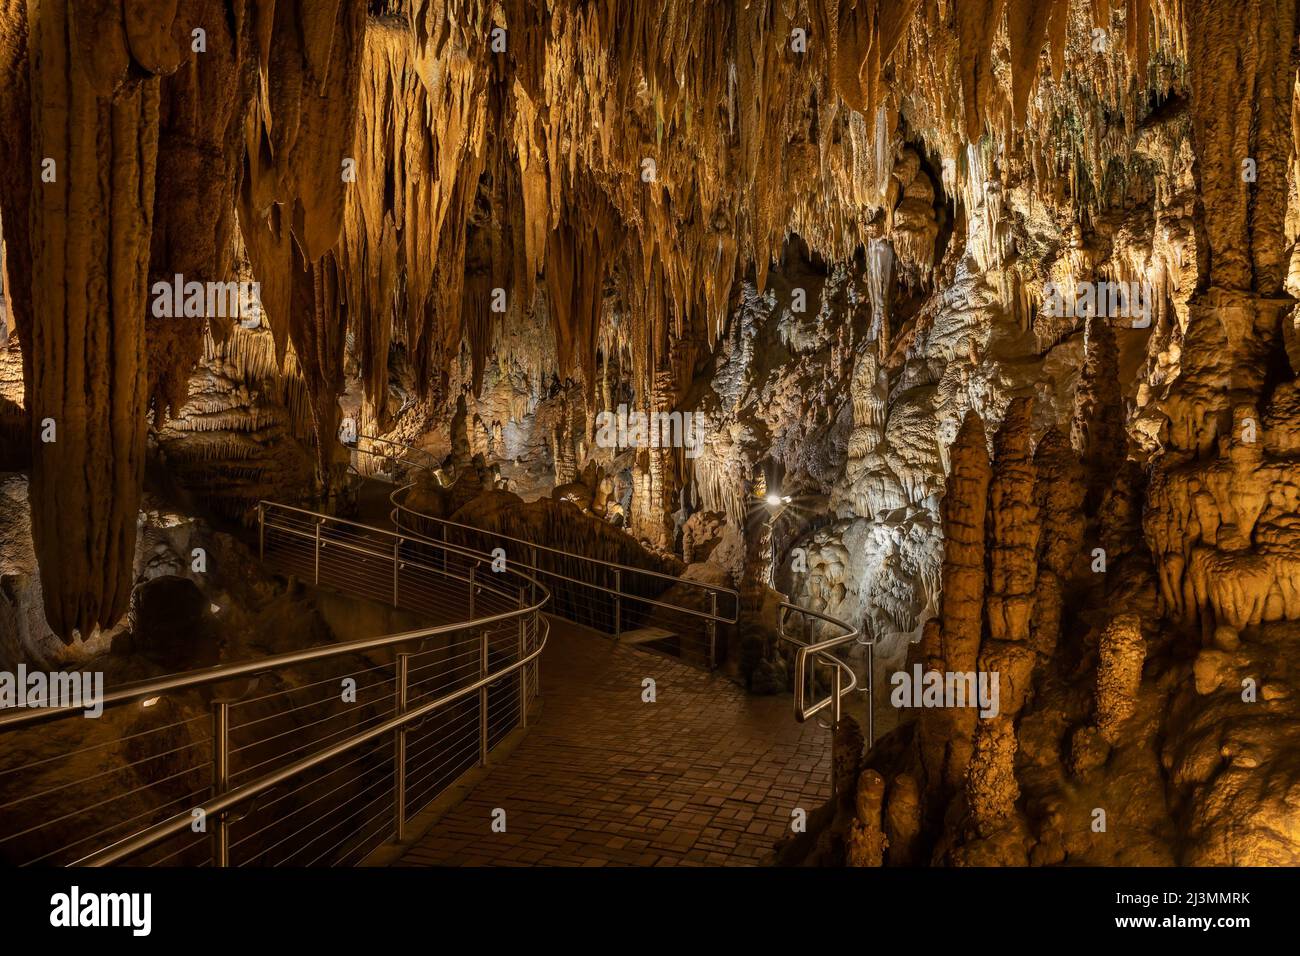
{"type": "Point", "coordinates": [400, 507]}
{"type": "Point", "coordinates": [241, 795]}
{"type": "Point", "coordinates": [809, 654]}
{"type": "Point", "coordinates": [807, 657]}
{"type": "Point", "coordinates": [354, 553]}
{"type": "Point", "coordinates": [412, 456]}
{"type": "Point", "coordinates": [447, 546]}
{"type": "Point", "coordinates": [420, 459]}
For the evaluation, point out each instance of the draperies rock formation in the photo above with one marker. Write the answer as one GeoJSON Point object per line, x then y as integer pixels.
{"type": "Point", "coordinates": [841, 235]}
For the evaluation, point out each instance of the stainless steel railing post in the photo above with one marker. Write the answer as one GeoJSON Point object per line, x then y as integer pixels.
{"type": "Point", "coordinates": [261, 531]}
{"type": "Point", "coordinates": [713, 629]}
{"type": "Point", "coordinates": [220, 779]}
{"type": "Point", "coordinates": [537, 663]}
{"type": "Point", "coordinates": [809, 674]}
{"type": "Point", "coordinates": [483, 700]}
{"type": "Point", "coordinates": [472, 569]}
{"type": "Point", "coordinates": [836, 681]}
{"type": "Point", "coordinates": [871, 695]}
{"type": "Point", "coordinates": [523, 652]}
{"type": "Point", "coordinates": [399, 749]}
{"type": "Point", "coordinates": [397, 564]}
{"type": "Point", "coordinates": [618, 603]}
{"type": "Point", "coordinates": [319, 522]}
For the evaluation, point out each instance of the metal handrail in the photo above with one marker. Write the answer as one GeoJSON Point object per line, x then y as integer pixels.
{"type": "Point", "coordinates": [400, 507]}
{"type": "Point", "coordinates": [416, 523]}
{"type": "Point", "coordinates": [240, 795]}
{"type": "Point", "coordinates": [807, 657]}
{"type": "Point", "coordinates": [338, 537]}
{"type": "Point", "coordinates": [410, 455]}
{"type": "Point", "coordinates": [843, 680]}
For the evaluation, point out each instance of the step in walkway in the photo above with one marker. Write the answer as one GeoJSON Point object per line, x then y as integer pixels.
{"type": "Point", "coordinates": [706, 775]}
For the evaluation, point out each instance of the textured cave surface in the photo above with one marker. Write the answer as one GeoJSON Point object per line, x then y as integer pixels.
{"type": "Point", "coordinates": [838, 256]}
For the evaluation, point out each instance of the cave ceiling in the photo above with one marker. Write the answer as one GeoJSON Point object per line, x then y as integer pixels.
{"type": "Point", "coordinates": [385, 169]}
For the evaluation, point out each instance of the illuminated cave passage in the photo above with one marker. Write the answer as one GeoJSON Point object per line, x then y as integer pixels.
{"type": "Point", "coordinates": [503, 394]}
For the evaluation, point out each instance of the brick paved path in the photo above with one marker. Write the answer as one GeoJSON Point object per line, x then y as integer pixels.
{"type": "Point", "coordinates": [706, 775]}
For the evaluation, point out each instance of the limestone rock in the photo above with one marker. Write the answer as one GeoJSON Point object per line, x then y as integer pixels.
{"type": "Point", "coordinates": [866, 843]}
{"type": "Point", "coordinates": [1119, 672]}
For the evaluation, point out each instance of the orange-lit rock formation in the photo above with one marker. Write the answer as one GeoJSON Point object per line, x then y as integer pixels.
{"type": "Point", "coordinates": [843, 236]}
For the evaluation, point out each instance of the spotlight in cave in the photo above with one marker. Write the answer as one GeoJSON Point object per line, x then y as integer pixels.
{"type": "Point", "coordinates": [563, 434]}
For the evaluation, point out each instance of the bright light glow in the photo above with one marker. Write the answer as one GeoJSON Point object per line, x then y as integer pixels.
{"type": "Point", "coordinates": [774, 501]}
{"type": "Point", "coordinates": [149, 702]}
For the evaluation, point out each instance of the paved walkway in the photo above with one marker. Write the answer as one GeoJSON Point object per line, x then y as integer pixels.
{"type": "Point", "coordinates": [706, 775]}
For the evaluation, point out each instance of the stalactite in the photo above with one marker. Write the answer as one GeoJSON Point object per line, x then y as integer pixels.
{"type": "Point", "coordinates": [16, 184]}
{"type": "Point", "coordinates": [977, 27]}
{"type": "Point", "coordinates": [1027, 22]}
{"type": "Point", "coordinates": [300, 139]}
{"type": "Point", "coordinates": [1252, 43]}
{"type": "Point", "coordinates": [577, 261]}
{"type": "Point", "coordinates": [202, 111]}
{"type": "Point", "coordinates": [317, 325]}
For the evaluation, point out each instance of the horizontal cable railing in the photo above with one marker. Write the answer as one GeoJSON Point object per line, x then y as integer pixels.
{"type": "Point", "coordinates": [636, 605]}
{"type": "Point", "coordinates": [601, 598]}
{"type": "Point", "coordinates": [383, 458]}
{"type": "Point", "coordinates": [309, 757]}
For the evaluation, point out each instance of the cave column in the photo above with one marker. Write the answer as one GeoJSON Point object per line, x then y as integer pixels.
{"type": "Point", "coordinates": [1241, 73]}
{"type": "Point", "coordinates": [94, 137]}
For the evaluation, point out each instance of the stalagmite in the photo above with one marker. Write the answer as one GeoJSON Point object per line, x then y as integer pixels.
{"type": "Point", "coordinates": [1060, 490]}
{"type": "Point", "coordinates": [903, 820]}
{"type": "Point", "coordinates": [991, 787]}
{"type": "Point", "coordinates": [866, 836]}
{"type": "Point", "coordinates": [1097, 429]}
{"type": "Point", "coordinates": [1013, 527]}
{"type": "Point", "coordinates": [1013, 539]}
{"type": "Point", "coordinates": [965, 505]}
{"type": "Point", "coordinates": [1119, 672]}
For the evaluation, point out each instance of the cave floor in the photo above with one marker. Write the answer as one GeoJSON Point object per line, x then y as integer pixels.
{"type": "Point", "coordinates": [706, 775]}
